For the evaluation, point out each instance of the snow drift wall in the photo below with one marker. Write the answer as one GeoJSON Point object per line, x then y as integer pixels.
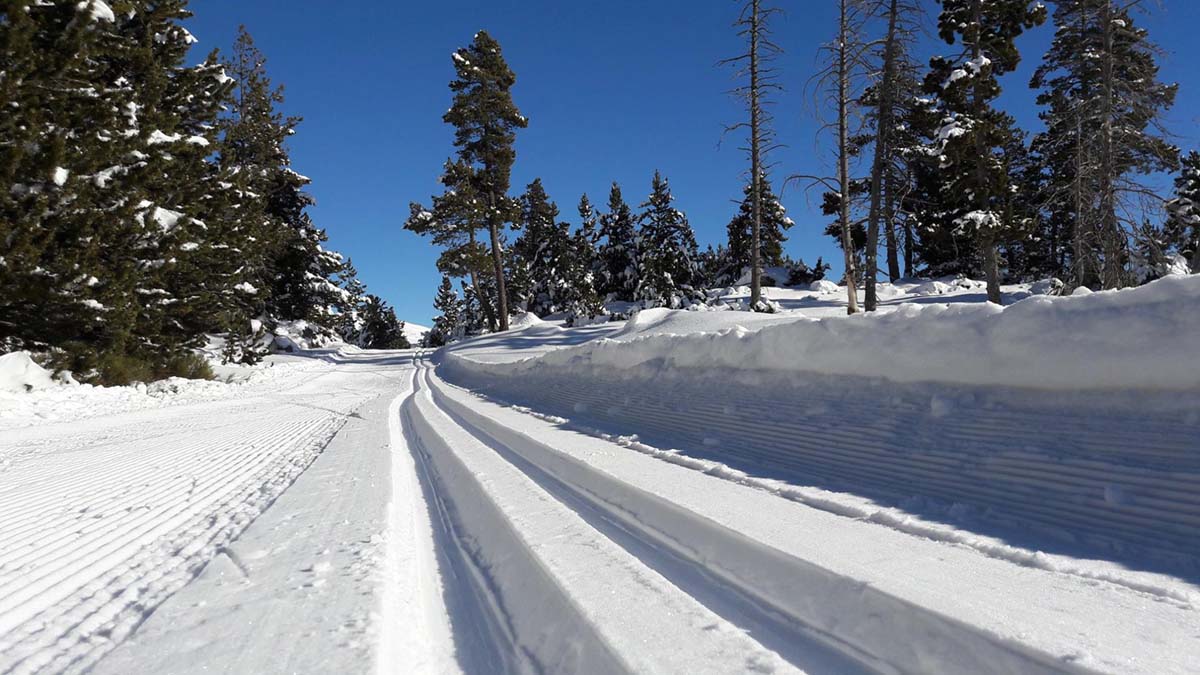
{"type": "Point", "coordinates": [1142, 338]}
{"type": "Point", "coordinates": [1092, 438]}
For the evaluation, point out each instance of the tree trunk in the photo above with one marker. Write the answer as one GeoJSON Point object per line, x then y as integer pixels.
{"type": "Point", "coordinates": [883, 123]}
{"type": "Point", "coordinates": [844, 158]}
{"type": "Point", "coordinates": [485, 305]}
{"type": "Point", "coordinates": [889, 222]}
{"type": "Point", "coordinates": [1111, 238]}
{"type": "Point", "coordinates": [987, 240]}
{"type": "Point", "coordinates": [755, 167]}
{"type": "Point", "coordinates": [498, 267]}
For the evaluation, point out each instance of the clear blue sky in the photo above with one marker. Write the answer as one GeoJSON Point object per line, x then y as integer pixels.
{"type": "Point", "coordinates": [614, 89]}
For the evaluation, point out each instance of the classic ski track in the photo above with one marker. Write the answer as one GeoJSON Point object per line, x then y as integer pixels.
{"type": "Point", "coordinates": [791, 638]}
{"type": "Point", "coordinates": [74, 595]}
{"type": "Point", "coordinates": [1008, 650]}
{"type": "Point", "coordinates": [724, 645]}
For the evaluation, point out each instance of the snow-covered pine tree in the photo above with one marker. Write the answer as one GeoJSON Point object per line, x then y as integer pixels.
{"type": "Point", "coordinates": [485, 121]}
{"type": "Point", "coordinates": [587, 238]}
{"type": "Point", "coordinates": [449, 324]}
{"type": "Point", "coordinates": [1182, 230]}
{"type": "Point", "coordinates": [545, 249]}
{"type": "Point", "coordinates": [584, 267]}
{"type": "Point", "coordinates": [1104, 129]}
{"type": "Point", "coordinates": [774, 222]}
{"type": "Point", "coordinates": [284, 260]}
{"type": "Point", "coordinates": [175, 187]}
{"type": "Point", "coordinates": [667, 271]}
{"type": "Point", "coordinates": [57, 137]}
{"type": "Point", "coordinates": [619, 252]}
{"type": "Point", "coordinates": [381, 328]}
{"type": "Point", "coordinates": [453, 222]}
{"type": "Point", "coordinates": [973, 132]}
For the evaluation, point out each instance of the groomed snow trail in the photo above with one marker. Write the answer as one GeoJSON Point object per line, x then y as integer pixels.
{"type": "Point", "coordinates": [814, 589]}
{"type": "Point", "coordinates": [101, 521]}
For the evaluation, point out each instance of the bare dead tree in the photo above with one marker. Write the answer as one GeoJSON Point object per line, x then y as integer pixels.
{"type": "Point", "coordinates": [840, 82]}
{"type": "Point", "coordinates": [761, 80]}
{"type": "Point", "coordinates": [896, 67]}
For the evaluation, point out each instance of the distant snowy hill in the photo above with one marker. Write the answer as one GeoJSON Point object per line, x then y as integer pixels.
{"type": "Point", "coordinates": [414, 332]}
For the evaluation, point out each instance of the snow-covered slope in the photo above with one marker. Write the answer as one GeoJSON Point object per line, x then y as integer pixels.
{"type": "Point", "coordinates": [414, 332]}
{"type": "Point", "coordinates": [1068, 343]}
{"type": "Point", "coordinates": [701, 492]}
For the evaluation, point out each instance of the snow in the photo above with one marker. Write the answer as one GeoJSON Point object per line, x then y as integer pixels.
{"type": "Point", "coordinates": [1042, 342]}
{"type": "Point", "coordinates": [415, 332]}
{"type": "Point", "coordinates": [98, 10]}
{"type": "Point", "coordinates": [19, 373]}
{"type": "Point", "coordinates": [60, 176]}
{"type": "Point", "coordinates": [944, 486]}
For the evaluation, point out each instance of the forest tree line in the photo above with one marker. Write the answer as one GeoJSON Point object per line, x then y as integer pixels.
{"type": "Point", "coordinates": [931, 177]}
{"type": "Point", "coordinates": [149, 204]}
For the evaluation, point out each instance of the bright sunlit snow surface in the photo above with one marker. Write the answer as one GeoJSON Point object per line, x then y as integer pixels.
{"type": "Point", "coordinates": [945, 487]}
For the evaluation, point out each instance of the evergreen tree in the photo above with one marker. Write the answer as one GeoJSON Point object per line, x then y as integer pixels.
{"type": "Point", "coordinates": [619, 252]}
{"type": "Point", "coordinates": [57, 289]}
{"type": "Point", "coordinates": [773, 222]}
{"type": "Point", "coordinates": [1182, 230]}
{"type": "Point", "coordinates": [485, 121]}
{"type": "Point", "coordinates": [448, 326]}
{"type": "Point", "coordinates": [973, 133]}
{"type": "Point", "coordinates": [381, 328]}
{"type": "Point", "coordinates": [1105, 103]}
{"type": "Point", "coordinates": [668, 271]}
{"type": "Point", "coordinates": [283, 256]}
{"type": "Point", "coordinates": [545, 247]}
{"type": "Point", "coordinates": [453, 223]}
{"type": "Point", "coordinates": [587, 238]}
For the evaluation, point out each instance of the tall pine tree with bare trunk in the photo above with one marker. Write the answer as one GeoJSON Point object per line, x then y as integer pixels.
{"type": "Point", "coordinates": [485, 121]}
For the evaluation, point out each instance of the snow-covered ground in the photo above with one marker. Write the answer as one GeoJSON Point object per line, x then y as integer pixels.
{"type": "Point", "coordinates": [944, 487]}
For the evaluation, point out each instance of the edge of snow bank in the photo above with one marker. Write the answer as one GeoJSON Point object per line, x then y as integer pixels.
{"type": "Point", "coordinates": [1140, 338]}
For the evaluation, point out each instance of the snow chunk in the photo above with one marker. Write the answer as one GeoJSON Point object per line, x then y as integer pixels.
{"type": "Point", "coordinates": [98, 10]}
{"type": "Point", "coordinates": [19, 373]}
{"type": "Point", "coordinates": [60, 176]}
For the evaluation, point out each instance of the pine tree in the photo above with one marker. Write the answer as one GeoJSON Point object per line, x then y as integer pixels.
{"type": "Point", "coordinates": [57, 289]}
{"type": "Point", "coordinates": [587, 238]}
{"type": "Point", "coordinates": [381, 328]}
{"type": "Point", "coordinates": [583, 301]}
{"type": "Point", "coordinates": [973, 133]}
{"type": "Point", "coordinates": [668, 270]}
{"type": "Point", "coordinates": [284, 254]}
{"type": "Point", "coordinates": [485, 121]}
{"type": "Point", "coordinates": [448, 325]}
{"type": "Point", "coordinates": [453, 223]}
{"type": "Point", "coordinates": [773, 222]}
{"type": "Point", "coordinates": [619, 252]}
{"type": "Point", "coordinates": [545, 249]}
{"type": "Point", "coordinates": [1105, 104]}
{"type": "Point", "coordinates": [1182, 231]}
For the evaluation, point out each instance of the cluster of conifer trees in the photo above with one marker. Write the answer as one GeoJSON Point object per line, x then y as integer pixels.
{"type": "Point", "coordinates": [928, 171]}
{"type": "Point", "coordinates": [148, 203]}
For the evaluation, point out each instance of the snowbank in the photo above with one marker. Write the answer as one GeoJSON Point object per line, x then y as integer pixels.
{"type": "Point", "coordinates": [19, 373]}
{"type": "Point", "coordinates": [1141, 338]}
